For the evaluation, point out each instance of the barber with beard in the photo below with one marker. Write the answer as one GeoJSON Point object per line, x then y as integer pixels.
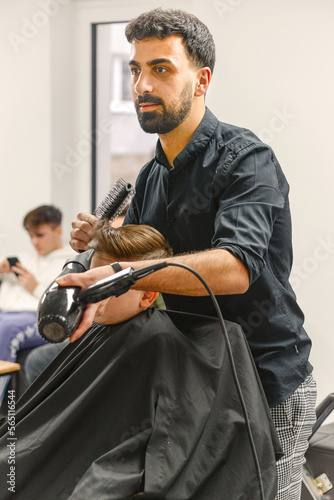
{"type": "Point", "coordinates": [218, 195]}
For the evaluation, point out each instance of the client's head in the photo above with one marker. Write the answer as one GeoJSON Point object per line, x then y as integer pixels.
{"type": "Point", "coordinates": [126, 243]}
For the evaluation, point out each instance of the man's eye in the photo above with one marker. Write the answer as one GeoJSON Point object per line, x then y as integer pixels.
{"type": "Point", "coordinates": [134, 71]}
{"type": "Point", "coordinates": [160, 69]}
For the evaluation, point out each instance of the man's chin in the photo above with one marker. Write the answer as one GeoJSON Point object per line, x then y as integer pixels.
{"type": "Point", "coordinates": [155, 126]}
{"type": "Point", "coordinates": [148, 121]}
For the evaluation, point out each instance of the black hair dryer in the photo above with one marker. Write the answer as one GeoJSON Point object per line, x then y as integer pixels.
{"type": "Point", "coordinates": [61, 308]}
{"type": "Point", "coordinates": [58, 310]}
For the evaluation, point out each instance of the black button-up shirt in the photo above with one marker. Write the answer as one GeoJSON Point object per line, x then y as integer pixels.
{"type": "Point", "coordinates": [227, 190]}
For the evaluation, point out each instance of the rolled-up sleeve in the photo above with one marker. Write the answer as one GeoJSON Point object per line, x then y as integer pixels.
{"type": "Point", "coordinates": [253, 197]}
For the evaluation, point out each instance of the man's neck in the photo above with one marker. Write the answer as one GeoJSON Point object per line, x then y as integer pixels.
{"type": "Point", "coordinates": [57, 247]}
{"type": "Point", "coordinates": [176, 140]}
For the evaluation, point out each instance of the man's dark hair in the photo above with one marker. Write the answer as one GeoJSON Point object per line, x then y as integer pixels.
{"type": "Point", "coordinates": [160, 23]}
{"type": "Point", "coordinates": [45, 214]}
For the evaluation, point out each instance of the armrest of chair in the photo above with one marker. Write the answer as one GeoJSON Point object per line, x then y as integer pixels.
{"type": "Point", "coordinates": [322, 411]}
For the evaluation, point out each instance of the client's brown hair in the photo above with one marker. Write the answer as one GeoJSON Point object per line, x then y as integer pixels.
{"type": "Point", "coordinates": [129, 242]}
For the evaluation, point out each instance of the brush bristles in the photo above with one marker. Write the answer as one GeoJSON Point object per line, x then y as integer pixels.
{"type": "Point", "coordinates": [115, 201]}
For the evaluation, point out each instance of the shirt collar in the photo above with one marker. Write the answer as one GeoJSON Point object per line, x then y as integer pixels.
{"type": "Point", "coordinates": [195, 146]}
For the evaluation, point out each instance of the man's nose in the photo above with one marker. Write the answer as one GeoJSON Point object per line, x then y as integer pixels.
{"type": "Point", "coordinates": [34, 240]}
{"type": "Point", "coordinates": [143, 84]}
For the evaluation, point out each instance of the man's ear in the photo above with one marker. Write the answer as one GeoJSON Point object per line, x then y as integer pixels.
{"type": "Point", "coordinates": [203, 81]}
{"type": "Point", "coordinates": [147, 299]}
{"type": "Point", "coordinates": [59, 231]}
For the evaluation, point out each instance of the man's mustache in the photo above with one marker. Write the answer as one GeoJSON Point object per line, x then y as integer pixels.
{"type": "Point", "coordinates": [148, 98]}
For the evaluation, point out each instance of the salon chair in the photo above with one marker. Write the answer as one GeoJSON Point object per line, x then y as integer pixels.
{"type": "Point", "coordinates": [318, 471]}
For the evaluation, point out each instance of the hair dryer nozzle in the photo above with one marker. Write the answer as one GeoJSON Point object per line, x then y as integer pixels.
{"type": "Point", "coordinates": [59, 313]}
{"type": "Point", "coordinates": [54, 328]}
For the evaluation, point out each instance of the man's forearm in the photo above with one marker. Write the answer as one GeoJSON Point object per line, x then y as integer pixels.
{"type": "Point", "coordinates": [224, 273]}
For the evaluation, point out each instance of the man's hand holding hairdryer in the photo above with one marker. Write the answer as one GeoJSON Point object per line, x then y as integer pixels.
{"type": "Point", "coordinates": [83, 280]}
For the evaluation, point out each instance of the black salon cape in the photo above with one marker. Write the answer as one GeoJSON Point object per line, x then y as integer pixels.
{"type": "Point", "coordinates": [142, 407]}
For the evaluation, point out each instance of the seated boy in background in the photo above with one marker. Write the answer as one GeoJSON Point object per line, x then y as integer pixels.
{"type": "Point", "coordinates": [23, 283]}
{"type": "Point", "coordinates": [136, 406]}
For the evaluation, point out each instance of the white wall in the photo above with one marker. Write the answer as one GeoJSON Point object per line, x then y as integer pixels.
{"type": "Point", "coordinates": [25, 118]}
{"type": "Point", "coordinates": [274, 74]}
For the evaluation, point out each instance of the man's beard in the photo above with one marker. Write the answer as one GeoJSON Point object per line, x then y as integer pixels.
{"type": "Point", "coordinates": [167, 119]}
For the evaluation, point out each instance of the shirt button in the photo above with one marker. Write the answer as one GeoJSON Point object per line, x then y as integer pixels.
{"type": "Point", "coordinates": [172, 219]}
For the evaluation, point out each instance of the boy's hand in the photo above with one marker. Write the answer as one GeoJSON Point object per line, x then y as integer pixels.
{"type": "Point", "coordinates": [25, 277]}
{"type": "Point", "coordinates": [82, 228]}
{"type": "Point", "coordinates": [5, 266]}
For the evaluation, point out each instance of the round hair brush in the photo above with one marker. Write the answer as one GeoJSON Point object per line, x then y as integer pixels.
{"type": "Point", "coordinates": [115, 201]}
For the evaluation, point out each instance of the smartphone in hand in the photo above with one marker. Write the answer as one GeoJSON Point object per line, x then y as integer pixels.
{"type": "Point", "coordinates": [12, 261]}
